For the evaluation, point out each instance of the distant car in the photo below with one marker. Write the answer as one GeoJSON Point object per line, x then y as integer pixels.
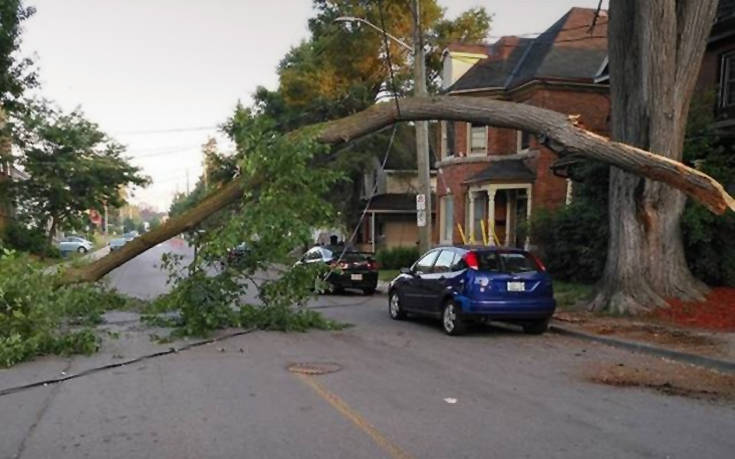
{"type": "Point", "coordinates": [117, 244]}
{"type": "Point", "coordinates": [352, 270]}
{"type": "Point", "coordinates": [77, 244]}
{"type": "Point", "coordinates": [460, 284]}
{"type": "Point", "coordinates": [130, 235]}
{"type": "Point", "coordinates": [236, 254]}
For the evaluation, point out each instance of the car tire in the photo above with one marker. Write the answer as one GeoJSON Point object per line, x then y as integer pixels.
{"type": "Point", "coordinates": [452, 322]}
{"type": "Point", "coordinates": [82, 250]}
{"type": "Point", "coordinates": [368, 291]}
{"type": "Point", "coordinates": [395, 310]}
{"type": "Point", "coordinates": [536, 327]}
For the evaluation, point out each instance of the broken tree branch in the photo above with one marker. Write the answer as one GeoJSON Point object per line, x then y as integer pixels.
{"type": "Point", "coordinates": [539, 121]}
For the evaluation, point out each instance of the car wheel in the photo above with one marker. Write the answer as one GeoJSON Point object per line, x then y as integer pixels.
{"type": "Point", "coordinates": [536, 327]}
{"type": "Point", "coordinates": [368, 291]}
{"type": "Point", "coordinates": [82, 250]}
{"type": "Point", "coordinates": [394, 307]}
{"type": "Point", "coordinates": [452, 322]}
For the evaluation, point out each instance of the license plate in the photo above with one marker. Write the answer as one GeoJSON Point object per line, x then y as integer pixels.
{"type": "Point", "coordinates": [516, 287]}
{"type": "Point", "coordinates": [356, 277]}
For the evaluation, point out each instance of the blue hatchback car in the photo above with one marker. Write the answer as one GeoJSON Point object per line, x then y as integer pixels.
{"type": "Point", "coordinates": [460, 284]}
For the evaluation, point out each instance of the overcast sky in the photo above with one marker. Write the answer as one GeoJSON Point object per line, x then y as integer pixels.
{"type": "Point", "coordinates": [160, 75]}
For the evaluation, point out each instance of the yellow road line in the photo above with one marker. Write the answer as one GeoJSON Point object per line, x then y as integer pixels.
{"type": "Point", "coordinates": [360, 422]}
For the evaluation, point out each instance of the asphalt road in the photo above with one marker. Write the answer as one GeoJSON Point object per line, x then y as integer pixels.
{"type": "Point", "coordinates": [404, 390]}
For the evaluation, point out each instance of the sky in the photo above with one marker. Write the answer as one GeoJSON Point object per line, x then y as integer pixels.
{"type": "Point", "coordinates": [159, 76]}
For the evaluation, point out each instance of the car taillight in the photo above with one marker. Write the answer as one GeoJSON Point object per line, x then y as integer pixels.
{"type": "Point", "coordinates": [344, 265]}
{"type": "Point", "coordinates": [471, 259]}
{"type": "Point", "coordinates": [539, 263]}
{"type": "Point", "coordinates": [371, 265]}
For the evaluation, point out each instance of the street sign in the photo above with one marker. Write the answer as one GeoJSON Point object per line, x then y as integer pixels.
{"type": "Point", "coordinates": [421, 202]}
{"type": "Point", "coordinates": [421, 218]}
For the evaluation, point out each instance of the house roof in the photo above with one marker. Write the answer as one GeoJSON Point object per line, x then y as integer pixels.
{"type": "Point", "coordinates": [395, 202]}
{"type": "Point", "coordinates": [568, 50]}
{"type": "Point", "coordinates": [474, 48]}
{"type": "Point", "coordinates": [511, 170]}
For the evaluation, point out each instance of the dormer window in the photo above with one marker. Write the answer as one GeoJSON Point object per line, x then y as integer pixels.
{"type": "Point", "coordinates": [478, 139]}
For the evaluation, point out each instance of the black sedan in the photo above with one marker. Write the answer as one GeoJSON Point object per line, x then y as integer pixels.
{"type": "Point", "coordinates": [350, 269]}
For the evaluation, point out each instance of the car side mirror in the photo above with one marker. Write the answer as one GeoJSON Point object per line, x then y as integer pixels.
{"type": "Point", "coordinates": [406, 271]}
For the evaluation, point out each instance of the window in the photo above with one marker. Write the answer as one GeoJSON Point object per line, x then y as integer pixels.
{"type": "Point", "coordinates": [478, 139]}
{"type": "Point", "coordinates": [524, 141]}
{"type": "Point", "coordinates": [514, 262]}
{"type": "Point", "coordinates": [313, 254]}
{"type": "Point", "coordinates": [426, 262]}
{"type": "Point", "coordinates": [448, 215]}
{"type": "Point", "coordinates": [727, 80]}
{"type": "Point", "coordinates": [450, 139]}
{"type": "Point", "coordinates": [444, 262]}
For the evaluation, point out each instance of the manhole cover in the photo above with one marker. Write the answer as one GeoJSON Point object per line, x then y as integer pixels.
{"type": "Point", "coordinates": [314, 368]}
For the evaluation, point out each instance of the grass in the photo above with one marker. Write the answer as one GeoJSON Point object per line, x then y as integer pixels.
{"type": "Point", "coordinates": [387, 275]}
{"type": "Point", "coordinates": [569, 294]}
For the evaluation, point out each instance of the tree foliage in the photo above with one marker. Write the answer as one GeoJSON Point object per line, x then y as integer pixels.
{"type": "Point", "coordinates": [73, 167]}
{"type": "Point", "coordinates": [708, 239]}
{"type": "Point", "coordinates": [341, 68]}
{"type": "Point", "coordinates": [274, 221]}
{"type": "Point", "coordinates": [16, 72]}
{"type": "Point", "coordinates": [37, 317]}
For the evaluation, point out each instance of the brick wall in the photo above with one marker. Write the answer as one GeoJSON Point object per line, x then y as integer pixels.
{"type": "Point", "coordinates": [549, 191]}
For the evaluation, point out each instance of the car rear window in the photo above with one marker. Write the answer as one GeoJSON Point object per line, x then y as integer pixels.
{"type": "Point", "coordinates": [506, 262]}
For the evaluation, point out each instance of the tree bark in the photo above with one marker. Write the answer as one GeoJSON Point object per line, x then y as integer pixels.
{"type": "Point", "coordinates": [655, 51]}
{"type": "Point", "coordinates": [558, 127]}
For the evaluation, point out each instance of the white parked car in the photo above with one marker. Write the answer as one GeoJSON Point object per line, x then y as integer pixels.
{"type": "Point", "coordinates": [77, 244]}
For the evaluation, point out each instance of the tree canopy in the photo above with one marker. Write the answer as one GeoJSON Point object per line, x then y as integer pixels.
{"type": "Point", "coordinates": [73, 167]}
{"type": "Point", "coordinates": [342, 67]}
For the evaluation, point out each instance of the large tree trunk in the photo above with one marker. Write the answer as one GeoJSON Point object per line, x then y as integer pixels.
{"type": "Point", "coordinates": [655, 51]}
{"type": "Point", "coordinates": [557, 127]}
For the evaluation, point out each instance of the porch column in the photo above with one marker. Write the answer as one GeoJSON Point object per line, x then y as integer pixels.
{"type": "Point", "coordinates": [528, 213]}
{"type": "Point", "coordinates": [471, 223]}
{"type": "Point", "coordinates": [372, 229]}
{"type": "Point", "coordinates": [507, 217]}
{"type": "Point", "coordinates": [491, 190]}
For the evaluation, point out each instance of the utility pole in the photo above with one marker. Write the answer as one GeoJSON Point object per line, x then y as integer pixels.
{"type": "Point", "coordinates": [423, 206]}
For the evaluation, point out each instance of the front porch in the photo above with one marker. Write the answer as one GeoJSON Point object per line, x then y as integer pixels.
{"type": "Point", "coordinates": [501, 210]}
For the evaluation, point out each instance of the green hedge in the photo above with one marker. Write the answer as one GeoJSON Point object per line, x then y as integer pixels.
{"type": "Point", "coordinates": [572, 241]}
{"type": "Point", "coordinates": [397, 258]}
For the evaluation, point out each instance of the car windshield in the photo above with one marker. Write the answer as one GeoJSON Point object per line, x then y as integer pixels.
{"type": "Point", "coordinates": [506, 262]}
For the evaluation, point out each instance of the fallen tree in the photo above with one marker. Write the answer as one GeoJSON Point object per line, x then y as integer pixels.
{"type": "Point", "coordinates": [557, 127]}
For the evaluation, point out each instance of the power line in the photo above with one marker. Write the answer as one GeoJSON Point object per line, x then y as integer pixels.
{"type": "Point", "coordinates": [165, 131]}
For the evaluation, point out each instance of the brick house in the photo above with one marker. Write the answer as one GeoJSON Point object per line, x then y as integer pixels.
{"type": "Point", "coordinates": [501, 176]}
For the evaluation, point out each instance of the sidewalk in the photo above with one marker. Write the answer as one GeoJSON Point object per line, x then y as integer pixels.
{"type": "Point", "coordinates": [652, 336]}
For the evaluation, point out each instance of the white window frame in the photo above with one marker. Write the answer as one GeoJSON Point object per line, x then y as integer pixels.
{"type": "Point", "coordinates": [519, 142]}
{"type": "Point", "coordinates": [470, 151]}
{"type": "Point", "coordinates": [727, 75]}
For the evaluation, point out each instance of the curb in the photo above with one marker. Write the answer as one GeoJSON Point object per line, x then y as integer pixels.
{"type": "Point", "coordinates": [692, 359]}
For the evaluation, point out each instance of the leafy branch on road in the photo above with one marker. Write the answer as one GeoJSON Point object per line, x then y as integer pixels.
{"type": "Point", "coordinates": [273, 221]}
{"type": "Point", "coordinates": [37, 318]}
